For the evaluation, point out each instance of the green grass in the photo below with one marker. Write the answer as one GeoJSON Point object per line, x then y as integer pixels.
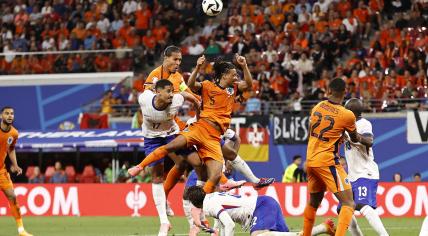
{"type": "Point", "coordinates": [126, 226]}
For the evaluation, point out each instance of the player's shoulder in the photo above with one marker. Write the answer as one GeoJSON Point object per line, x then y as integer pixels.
{"type": "Point", "coordinates": [156, 73]}
{"type": "Point", "coordinates": [178, 98]}
{"type": "Point", "coordinates": [14, 131]}
{"type": "Point", "coordinates": [145, 96]}
{"type": "Point", "coordinates": [362, 122]}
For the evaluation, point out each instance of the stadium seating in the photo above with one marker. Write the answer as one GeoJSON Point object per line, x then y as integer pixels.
{"type": "Point", "coordinates": [29, 172]}
{"type": "Point", "coordinates": [88, 175]}
{"type": "Point", "coordinates": [71, 174]}
{"type": "Point", "coordinates": [50, 170]}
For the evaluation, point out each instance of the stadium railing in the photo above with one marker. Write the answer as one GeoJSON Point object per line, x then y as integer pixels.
{"type": "Point", "coordinates": [279, 107]}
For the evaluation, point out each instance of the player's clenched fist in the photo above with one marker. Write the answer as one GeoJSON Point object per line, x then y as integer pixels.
{"type": "Point", "coordinates": [240, 60]}
{"type": "Point", "coordinates": [200, 61]}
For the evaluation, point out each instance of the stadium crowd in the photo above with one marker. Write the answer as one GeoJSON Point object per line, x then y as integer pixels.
{"type": "Point", "coordinates": [143, 27]}
{"type": "Point", "coordinates": [293, 47]}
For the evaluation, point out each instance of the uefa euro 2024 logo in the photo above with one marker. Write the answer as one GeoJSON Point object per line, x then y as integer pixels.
{"type": "Point", "coordinates": [136, 200]}
{"type": "Point", "coordinates": [255, 134]}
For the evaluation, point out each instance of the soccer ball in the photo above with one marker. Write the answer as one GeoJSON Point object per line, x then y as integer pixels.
{"type": "Point", "coordinates": [212, 7]}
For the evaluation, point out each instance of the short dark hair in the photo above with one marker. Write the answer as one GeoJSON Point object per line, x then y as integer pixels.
{"type": "Point", "coordinates": [221, 67]}
{"type": "Point", "coordinates": [161, 84]}
{"type": "Point", "coordinates": [296, 157]}
{"type": "Point", "coordinates": [6, 107]}
{"type": "Point", "coordinates": [196, 195]}
{"type": "Point", "coordinates": [417, 174]}
{"type": "Point", "coordinates": [171, 49]}
{"type": "Point", "coordinates": [337, 85]}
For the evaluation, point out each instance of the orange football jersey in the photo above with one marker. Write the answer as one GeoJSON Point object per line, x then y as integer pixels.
{"type": "Point", "coordinates": [327, 124]}
{"type": "Point", "coordinates": [217, 103]}
{"type": "Point", "coordinates": [157, 74]}
{"type": "Point", "coordinates": [7, 142]}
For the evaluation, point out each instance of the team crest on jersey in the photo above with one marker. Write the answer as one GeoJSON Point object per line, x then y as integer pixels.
{"type": "Point", "coordinates": [230, 91]}
{"type": "Point", "coordinates": [346, 180]}
{"type": "Point", "coordinates": [9, 140]}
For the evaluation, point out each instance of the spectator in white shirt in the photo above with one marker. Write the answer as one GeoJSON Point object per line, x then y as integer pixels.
{"type": "Point", "coordinates": [234, 27]}
{"type": "Point", "coordinates": [196, 48]}
{"type": "Point", "coordinates": [103, 24]}
{"type": "Point", "coordinates": [350, 22]}
{"type": "Point", "coordinates": [116, 24]}
{"type": "Point", "coordinates": [323, 5]}
{"type": "Point", "coordinates": [304, 65]}
{"type": "Point", "coordinates": [48, 44]}
{"type": "Point", "coordinates": [129, 7]}
{"type": "Point", "coordinates": [35, 15]}
{"type": "Point", "coordinates": [248, 26]}
{"type": "Point", "coordinates": [47, 9]}
{"type": "Point", "coordinates": [304, 16]}
{"type": "Point", "coordinates": [271, 54]}
{"type": "Point", "coordinates": [19, 5]}
{"type": "Point", "coordinates": [8, 16]}
{"type": "Point", "coordinates": [208, 28]}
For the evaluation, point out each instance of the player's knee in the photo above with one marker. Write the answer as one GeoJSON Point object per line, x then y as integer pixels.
{"type": "Point", "coordinates": [215, 177]}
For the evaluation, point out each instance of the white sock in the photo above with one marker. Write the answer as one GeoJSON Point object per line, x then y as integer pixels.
{"type": "Point", "coordinates": [354, 228]}
{"type": "Point", "coordinates": [187, 207]}
{"type": "Point", "coordinates": [21, 229]}
{"type": "Point", "coordinates": [241, 166]}
{"type": "Point", "coordinates": [200, 183]}
{"type": "Point", "coordinates": [160, 201]}
{"type": "Point", "coordinates": [319, 229]}
{"type": "Point", "coordinates": [424, 229]}
{"type": "Point", "coordinates": [374, 220]}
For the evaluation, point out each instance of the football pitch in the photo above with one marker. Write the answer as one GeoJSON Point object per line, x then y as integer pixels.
{"type": "Point", "coordinates": [127, 226]}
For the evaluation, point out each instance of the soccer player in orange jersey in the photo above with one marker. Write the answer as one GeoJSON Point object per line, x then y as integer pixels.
{"type": "Point", "coordinates": [169, 70]}
{"type": "Point", "coordinates": [328, 122]}
{"type": "Point", "coordinates": [8, 138]}
{"type": "Point", "coordinates": [218, 98]}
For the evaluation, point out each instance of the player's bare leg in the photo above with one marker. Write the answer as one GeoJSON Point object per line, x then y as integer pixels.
{"type": "Point", "coordinates": [15, 211]}
{"type": "Point", "coordinates": [346, 212]}
{"type": "Point", "coordinates": [159, 198]}
{"type": "Point", "coordinates": [178, 143]}
{"type": "Point", "coordinates": [310, 211]}
{"type": "Point", "coordinates": [214, 172]}
{"type": "Point", "coordinates": [173, 177]}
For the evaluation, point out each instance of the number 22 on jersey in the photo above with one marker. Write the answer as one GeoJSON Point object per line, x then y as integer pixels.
{"type": "Point", "coordinates": [318, 132]}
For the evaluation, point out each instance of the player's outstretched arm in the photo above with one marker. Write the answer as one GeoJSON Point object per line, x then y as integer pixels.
{"type": "Point", "coordinates": [247, 83]}
{"type": "Point", "coordinates": [191, 98]}
{"type": "Point", "coordinates": [192, 83]}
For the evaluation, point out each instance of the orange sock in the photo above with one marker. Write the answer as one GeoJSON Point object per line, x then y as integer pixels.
{"type": "Point", "coordinates": [209, 187]}
{"type": "Point", "coordinates": [309, 219]}
{"type": "Point", "coordinates": [156, 155]}
{"type": "Point", "coordinates": [16, 213]}
{"type": "Point", "coordinates": [171, 180]}
{"type": "Point", "coordinates": [345, 217]}
{"type": "Point", "coordinates": [223, 179]}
